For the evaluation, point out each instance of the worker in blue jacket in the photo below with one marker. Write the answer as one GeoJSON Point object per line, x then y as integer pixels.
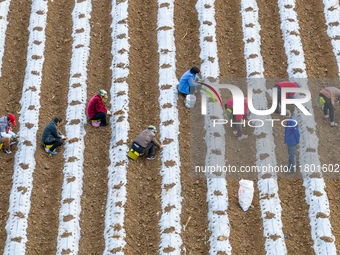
{"type": "Point", "coordinates": [292, 138]}
{"type": "Point", "coordinates": [188, 81]}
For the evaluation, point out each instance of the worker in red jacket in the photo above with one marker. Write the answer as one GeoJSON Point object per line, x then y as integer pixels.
{"type": "Point", "coordinates": [237, 120]}
{"type": "Point", "coordinates": [284, 84]}
{"type": "Point", "coordinates": [96, 109]}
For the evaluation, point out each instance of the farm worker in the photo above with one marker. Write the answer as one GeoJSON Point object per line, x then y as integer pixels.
{"type": "Point", "coordinates": [330, 95]}
{"type": "Point", "coordinates": [146, 141]}
{"type": "Point", "coordinates": [96, 109]}
{"type": "Point", "coordinates": [6, 133]}
{"type": "Point", "coordinates": [188, 82]}
{"type": "Point", "coordinates": [52, 136]}
{"type": "Point", "coordinates": [279, 86]}
{"type": "Point", "coordinates": [292, 138]}
{"type": "Point", "coordinates": [236, 120]}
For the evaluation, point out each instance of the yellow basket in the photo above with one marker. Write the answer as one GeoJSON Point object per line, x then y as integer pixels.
{"type": "Point", "coordinates": [228, 113]}
{"type": "Point", "coordinates": [48, 146]}
{"type": "Point", "coordinates": [133, 154]}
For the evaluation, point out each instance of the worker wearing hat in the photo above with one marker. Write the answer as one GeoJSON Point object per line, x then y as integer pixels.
{"type": "Point", "coordinates": [145, 142]}
{"type": "Point", "coordinates": [6, 133]}
{"type": "Point", "coordinates": [96, 109]}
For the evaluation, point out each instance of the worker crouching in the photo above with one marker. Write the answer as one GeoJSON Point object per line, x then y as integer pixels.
{"type": "Point", "coordinates": [145, 143]}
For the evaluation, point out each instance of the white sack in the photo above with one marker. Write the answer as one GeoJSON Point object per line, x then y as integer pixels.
{"type": "Point", "coordinates": [245, 194]}
{"type": "Point", "coordinates": [269, 94]}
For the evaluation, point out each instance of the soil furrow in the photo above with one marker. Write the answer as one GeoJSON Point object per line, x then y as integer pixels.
{"type": "Point", "coordinates": [13, 74]}
{"type": "Point", "coordinates": [143, 210]}
{"type": "Point", "coordinates": [97, 140]}
{"type": "Point", "coordinates": [320, 59]}
{"type": "Point", "coordinates": [245, 226]}
{"type": "Point", "coordinates": [143, 181]}
{"type": "Point", "coordinates": [291, 192]}
{"type": "Point", "coordinates": [321, 63]}
{"type": "Point", "coordinates": [194, 206]}
{"type": "Point", "coordinates": [273, 52]}
{"type": "Point", "coordinates": [47, 178]}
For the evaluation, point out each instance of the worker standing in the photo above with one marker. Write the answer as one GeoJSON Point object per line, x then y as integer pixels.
{"type": "Point", "coordinates": [292, 139]}
{"type": "Point", "coordinates": [330, 96]}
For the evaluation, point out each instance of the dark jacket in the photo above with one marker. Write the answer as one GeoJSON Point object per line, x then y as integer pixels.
{"type": "Point", "coordinates": [292, 134]}
{"type": "Point", "coordinates": [51, 133]}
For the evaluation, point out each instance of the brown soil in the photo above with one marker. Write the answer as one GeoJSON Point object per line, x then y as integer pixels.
{"type": "Point", "coordinates": [142, 208]}
{"type": "Point", "coordinates": [96, 161]}
{"type": "Point", "coordinates": [43, 219]}
{"type": "Point", "coordinates": [232, 65]}
{"type": "Point", "coordinates": [144, 182]}
{"type": "Point", "coordinates": [291, 191]}
{"type": "Point", "coordinates": [13, 73]}
{"type": "Point", "coordinates": [193, 190]}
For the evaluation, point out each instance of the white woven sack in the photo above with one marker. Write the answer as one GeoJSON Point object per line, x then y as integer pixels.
{"type": "Point", "coordinates": [245, 194]}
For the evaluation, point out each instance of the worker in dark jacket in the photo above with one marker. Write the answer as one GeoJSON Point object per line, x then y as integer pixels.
{"type": "Point", "coordinates": [292, 139]}
{"type": "Point", "coordinates": [52, 136]}
{"type": "Point", "coordinates": [146, 141]}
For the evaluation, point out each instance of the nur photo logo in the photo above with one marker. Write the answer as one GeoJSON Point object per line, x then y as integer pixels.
{"type": "Point", "coordinates": [239, 99]}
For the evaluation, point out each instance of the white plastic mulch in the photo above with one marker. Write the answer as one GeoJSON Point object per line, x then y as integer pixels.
{"type": "Point", "coordinates": [4, 8]}
{"type": "Point", "coordinates": [265, 147]}
{"type": "Point", "coordinates": [316, 196]}
{"type": "Point", "coordinates": [217, 193]}
{"type": "Point", "coordinates": [72, 188]}
{"type": "Point", "coordinates": [114, 232]}
{"type": "Point", "coordinates": [170, 221]}
{"type": "Point", "coordinates": [24, 166]}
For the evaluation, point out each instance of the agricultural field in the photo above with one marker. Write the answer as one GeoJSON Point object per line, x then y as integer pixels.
{"type": "Point", "coordinates": [91, 199]}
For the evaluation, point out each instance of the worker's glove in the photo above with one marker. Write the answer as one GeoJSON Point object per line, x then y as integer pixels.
{"type": "Point", "coordinates": [108, 112]}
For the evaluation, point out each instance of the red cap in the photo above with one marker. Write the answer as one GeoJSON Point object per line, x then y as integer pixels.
{"type": "Point", "coordinates": [12, 119]}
